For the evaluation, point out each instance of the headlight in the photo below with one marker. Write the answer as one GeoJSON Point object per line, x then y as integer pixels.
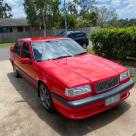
{"type": "Point", "coordinates": [124, 75]}
{"type": "Point", "coordinates": [72, 92]}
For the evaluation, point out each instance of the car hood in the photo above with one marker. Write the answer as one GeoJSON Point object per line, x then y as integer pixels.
{"type": "Point", "coordinates": [82, 69]}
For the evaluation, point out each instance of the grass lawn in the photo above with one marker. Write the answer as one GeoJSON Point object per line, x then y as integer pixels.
{"type": "Point", "coordinates": [134, 78]}
{"type": "Point", "coordinates": [91, 51]}
{"type": "Point", "coordinates": [6, 44]}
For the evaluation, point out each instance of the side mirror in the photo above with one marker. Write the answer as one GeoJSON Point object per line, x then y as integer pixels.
{"type": "Point", "coordinates": [25, 61]}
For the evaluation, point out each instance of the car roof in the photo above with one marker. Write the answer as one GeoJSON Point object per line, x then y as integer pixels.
{"type": "Point", "coordinates": [44, 38]}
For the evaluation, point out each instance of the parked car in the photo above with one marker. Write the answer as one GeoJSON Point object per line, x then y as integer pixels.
{"type": "Point", "coordinates": [67, 78]}
{"type": "Point", "coordinates": [78, 36]}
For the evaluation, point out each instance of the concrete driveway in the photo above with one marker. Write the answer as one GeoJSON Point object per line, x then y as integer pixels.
{"type": "Point", "coordinates": [4, 53]}
{"type": "Point", "coordinates": [21, 113]}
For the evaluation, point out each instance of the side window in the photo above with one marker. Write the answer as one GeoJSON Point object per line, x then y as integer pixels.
{"type": "Point", "coordinates": [18, 47]}
{"type": "Point", "coordinates": [25, 51]}
{"type": "Point", "coordinates": [70, 36]}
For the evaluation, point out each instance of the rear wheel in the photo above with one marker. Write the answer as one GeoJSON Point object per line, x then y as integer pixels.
{"type": "Point", "coordinates": [45, 98]}
{"type": "Point", "coordinates": [15, 72]}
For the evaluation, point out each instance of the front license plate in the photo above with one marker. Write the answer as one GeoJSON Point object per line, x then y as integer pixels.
{"type": "Point", "coordinates": [112, 100]}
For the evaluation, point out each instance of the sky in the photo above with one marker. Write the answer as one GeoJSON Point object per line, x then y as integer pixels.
{"type": "Point", "coordinates": [17, 8]}
{"type": "Point", "coordinates": [124, 8]}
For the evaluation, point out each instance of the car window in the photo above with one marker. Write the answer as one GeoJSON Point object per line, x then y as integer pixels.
{"type": "Point", "coordinates": [77, 35]}
{"type": "Point", "coordinates": [18, 47]}
{"type": "Point", "coordinates": [25, 51]}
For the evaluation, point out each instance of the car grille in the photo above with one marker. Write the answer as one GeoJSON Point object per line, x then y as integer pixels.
{"type": "Point", "coordinates": [107, 84]}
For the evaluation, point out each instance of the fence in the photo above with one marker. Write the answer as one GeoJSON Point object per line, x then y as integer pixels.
{"type": "Point", "coordinates": [12, 37]}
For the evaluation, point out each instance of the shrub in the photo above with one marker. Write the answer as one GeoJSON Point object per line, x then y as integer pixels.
{"type": "Point", "coordinates": [114, 43]}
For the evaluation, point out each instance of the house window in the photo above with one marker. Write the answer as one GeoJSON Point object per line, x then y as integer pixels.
{"type": "Point", "coordinates": [10, 29]}
{"type": "Point", "coordinates": [6, 29]}
{"type": "Point", "coordinates": [1, 30]}
{"type": "Point", "coordinates": [20, 29]}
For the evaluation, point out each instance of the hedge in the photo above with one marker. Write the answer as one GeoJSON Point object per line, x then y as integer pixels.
{"type": "Point", "coordinates": [114, 43]}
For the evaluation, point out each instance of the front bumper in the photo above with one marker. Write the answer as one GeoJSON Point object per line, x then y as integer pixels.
{"type": "Point", "coordinates": [92, 105]}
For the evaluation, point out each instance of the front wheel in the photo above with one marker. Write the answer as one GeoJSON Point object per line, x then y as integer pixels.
{"type": "Point", "coordinates": [45, 98]}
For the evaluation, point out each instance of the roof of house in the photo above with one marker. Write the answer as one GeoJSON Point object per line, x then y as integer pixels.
{"type": "Point", "coordinates": [13, 22]}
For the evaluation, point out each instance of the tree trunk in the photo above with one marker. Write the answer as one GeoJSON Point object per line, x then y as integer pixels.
{"type": "Point", "coordinates": [44, 18]}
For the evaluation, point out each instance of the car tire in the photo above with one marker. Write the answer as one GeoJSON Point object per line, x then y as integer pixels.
{"type": "Point", "coordinates": [84, 46]}
{"type": "Point", "coordinates": [17, 75]}
{"type": "Point", "coordinates": [45, 98]}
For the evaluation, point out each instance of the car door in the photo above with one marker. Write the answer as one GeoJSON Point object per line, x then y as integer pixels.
{"type": "Point", "coordinates": [16, 57]}
{"type": "Point", "coordinates": [28, 70]}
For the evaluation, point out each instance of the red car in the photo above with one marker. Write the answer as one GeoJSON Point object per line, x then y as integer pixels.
{"type": "Point", "coordinates": [68, 79]}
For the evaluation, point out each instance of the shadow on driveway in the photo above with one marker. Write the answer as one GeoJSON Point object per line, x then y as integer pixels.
{"type": "Point", "coordinates": [60, 124]}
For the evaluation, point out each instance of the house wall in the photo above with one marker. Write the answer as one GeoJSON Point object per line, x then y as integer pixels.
{"type": "Point", "coordinates": [15, 29]}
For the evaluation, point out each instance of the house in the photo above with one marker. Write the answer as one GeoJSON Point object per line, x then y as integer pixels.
{"type": "Point", "coordinates": [14, 25]}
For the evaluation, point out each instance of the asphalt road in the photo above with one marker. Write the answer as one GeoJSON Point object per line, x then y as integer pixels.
{"type": "Point", "coordinates": [21, 113]}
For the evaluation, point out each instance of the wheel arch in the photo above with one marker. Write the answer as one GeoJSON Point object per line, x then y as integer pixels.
{"type": "Point", "coordinates": [42, 82]}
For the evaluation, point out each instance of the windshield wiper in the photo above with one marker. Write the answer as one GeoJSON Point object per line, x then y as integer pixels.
{"type": "Point", "coordinates": [81, 53]}
{"type": "Point", "coordinates": [60, 57]}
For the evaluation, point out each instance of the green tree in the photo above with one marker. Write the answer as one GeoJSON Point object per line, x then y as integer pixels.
{"type": "Point", "coordinates": [104, 16]}
{"type": "Point", "coordinates": [80, 13]}
{"type": "Point", "coordinates": [90, 19]}
{"type": "Point", "coordinates": [5, 10]}
{"type": "Point", "coordinates": [31, 11]}
{"type": "Point", "coordinates": [42, 13]}
{"type": "Point", "coordinates": [85, 5]}
{"type": "Point", "coordinates": [123, 22]}
{"type": "Point", "coordinates": [53, 14]}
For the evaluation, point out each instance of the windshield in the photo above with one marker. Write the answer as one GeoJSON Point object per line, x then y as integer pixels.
{"type": "Point", "coordinates": [55, 49]}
